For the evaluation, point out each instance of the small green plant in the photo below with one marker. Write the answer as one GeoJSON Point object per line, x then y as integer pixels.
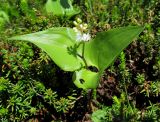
{"type": "Point", "coordinates": [61, 7]}
{"type": "Point", "coordinates": [102, 115]}
{"type": "Point", "coordinates": [140, 78]}
{"type": "Point", "coordinates": [16, 103]}
{"type": "Point", "coordinates": [118, 112]}
{"type": "Point", "coordinates": [86, 57]}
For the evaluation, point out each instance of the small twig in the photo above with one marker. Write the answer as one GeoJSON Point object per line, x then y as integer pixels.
{"type": "Point", "coordinates": [76, 100]}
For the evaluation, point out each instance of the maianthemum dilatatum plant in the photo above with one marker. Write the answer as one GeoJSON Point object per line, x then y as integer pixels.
{"type": "Point", "coordinates": [72, 49]}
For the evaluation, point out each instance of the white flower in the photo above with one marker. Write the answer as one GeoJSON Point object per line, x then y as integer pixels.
{"type": "Point", "coordinates": [83, 37]}
{"type": "Point", "coordinates": [79, 37]}
{"type": "Point", "coordinates": [80, 29]}
{"type": "Point", "coordinates": [86, 37]}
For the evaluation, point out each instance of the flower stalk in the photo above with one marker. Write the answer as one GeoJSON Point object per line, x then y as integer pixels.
{"type": "Point", "coordinates": [81, 37]}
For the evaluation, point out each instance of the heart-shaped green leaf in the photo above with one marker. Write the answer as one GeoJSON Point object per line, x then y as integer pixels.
{"type": "Point", "coordinates": [103, 50]}
{"type": "Point", "coordinates": [56, 43]}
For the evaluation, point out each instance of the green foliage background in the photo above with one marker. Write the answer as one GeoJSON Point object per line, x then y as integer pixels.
{"type": "Point", "coordinates": [33, 88]}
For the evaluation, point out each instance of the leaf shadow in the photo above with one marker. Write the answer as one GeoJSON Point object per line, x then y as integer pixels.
{"type": "Point", "coordinates": [65, 4]}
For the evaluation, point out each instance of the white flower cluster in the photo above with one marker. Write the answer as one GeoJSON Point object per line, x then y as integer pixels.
{"type": "Point", "coordinates": [81, 30]}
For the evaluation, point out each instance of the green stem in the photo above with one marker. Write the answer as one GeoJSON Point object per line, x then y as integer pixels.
{"type": "Point", "coordinates": [125, 89]}
{"type": "Point", "coordinates": [83, 44]}
{"type": "Point", "coordinates": [82, 56]}
{"type": "Point", "coordinates": [85, 62]}
{"type": "Point", "coordinates": [94, 94]}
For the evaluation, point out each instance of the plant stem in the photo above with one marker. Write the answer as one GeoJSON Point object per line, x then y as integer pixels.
{"type": "Point", "coordinates": [125, 89]}
{"type": "Point", "coordinates": [82, 56]}
{"type": "Point", "coordinates": [94, 94]}
{"type": "Point", "coordinates": [83, 44]}
{"type": "Point", "coordinates": [85, 62]}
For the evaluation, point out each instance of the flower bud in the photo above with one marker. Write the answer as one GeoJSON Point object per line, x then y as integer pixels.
{"type": "Point", "coordinates": [85, 26]}
{"type": "Point", "coordinates": [75, 29]}
{"type": "Point", "coordinates": [79, 20]}
{"type": "Point", "coordinates": [81, 27]}
{"type": "Point", "coordinates": [75, 23]}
